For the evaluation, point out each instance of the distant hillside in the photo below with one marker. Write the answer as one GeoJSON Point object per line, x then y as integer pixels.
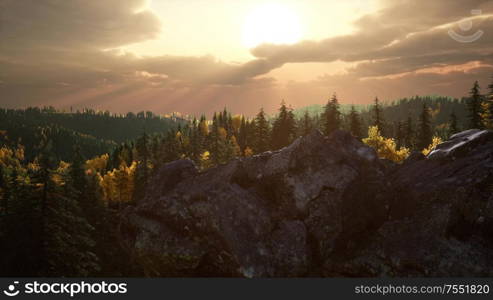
{"type": "Point", "coordinates": [118, 128]}
{"type": "Point", "coordinates": [95, 132]}
{"type": "Point", "coordinates": [441, 108]}
{"type": "Point", "coordinates": [401, 109]}
{"type": "Point", "coordinates": [62, 139]}
{"type": "Point", "coordinates": [316, 109]}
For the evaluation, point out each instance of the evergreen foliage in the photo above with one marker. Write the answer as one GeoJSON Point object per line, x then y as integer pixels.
{"type": "Point", "coordinates": [283, 128]}
{"type": "Point", "coordinates": [332, 115]}
{"type": "Point", "coordinates": [474, 106]}
{"type": "Point", "coordinates": [425, 133]}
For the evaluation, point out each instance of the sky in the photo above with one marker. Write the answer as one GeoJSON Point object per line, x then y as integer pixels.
{"type": "Point", "coordinates": [199, 56]}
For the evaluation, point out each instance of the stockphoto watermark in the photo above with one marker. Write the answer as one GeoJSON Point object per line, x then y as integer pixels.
{"type": "Point", "coordinates": [66, 288]}
{"type": "Point", "coordinates": [465, 26]}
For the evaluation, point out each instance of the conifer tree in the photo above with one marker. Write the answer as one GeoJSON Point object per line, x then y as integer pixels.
{"type": "Point", "coordinates": [262, 132]}
{"type": "Point", "coordinates": [195, 142]}
{"type": "Point", "coordinates": [487, 109]}
{"type": "Point", "coordinates": [306, 124]}
{"type": "Point", "coordinates": [377, 116]}
{"type": "Point", "coordinates": [68, 243]}
{"type": "Point", "coordinates": [243, 135]}
{"type": "Point", "coordinates": [474, 106]}
{"type": "Point", "coordinates": [410, 135]}
{"type": "Point", "coordinates": [77, 171]}
{"type": "Point", "coordinates": [354, 123]}
{"type": "Point", "coordinates": [399, 135]}
{"type": "Point", "coordinates": [142, 169]}
{"type": "Point", "coordinates": [284, 128]}
{"type": "Point", "coordinates": [170, 146]}
{"type": "Point", "coordinates": [154, 149]}
{"type": "Point", "coordinates": [214, 139]}
{"type": "Point", "coordinates": [425, 134]}
{"type": "Point", "coordinates": [231, 149]}
{"type": "Point", "coordinates": [332, 115]}
{"type": "Point", "coordinates": [46, 163]}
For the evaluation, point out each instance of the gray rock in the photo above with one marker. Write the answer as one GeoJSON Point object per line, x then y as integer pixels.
{"type": "Point", "coordinates": [323, 206]}
{"type": "Point", "coordinates": [460, 144]}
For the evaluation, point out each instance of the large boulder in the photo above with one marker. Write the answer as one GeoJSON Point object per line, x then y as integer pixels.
{"type": "Point", "coordinates": [281, 213]}
{"type": "Point", "coordinates": [441, 219]}
{"type": "Point", "coordinates": [323, 206]}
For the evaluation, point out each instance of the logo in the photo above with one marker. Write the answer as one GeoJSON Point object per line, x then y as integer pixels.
{"type": "Point", "coordinates": [11, 290]}
{"type": "Point", "coordinates": [466, 25]}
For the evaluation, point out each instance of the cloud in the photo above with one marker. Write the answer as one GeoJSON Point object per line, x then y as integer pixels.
{"type": "Point", "coordinates": [406, 33]}
{"type": "Point", "coordinates": [32, 25]}
{"type": "Point", "coordinates": [68, 53]}
{"type": "Point", "coordinates": [51, 41]}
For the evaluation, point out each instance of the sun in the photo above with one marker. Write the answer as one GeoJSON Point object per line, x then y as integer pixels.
{"type": "Point", "coordinates": [271, 23]}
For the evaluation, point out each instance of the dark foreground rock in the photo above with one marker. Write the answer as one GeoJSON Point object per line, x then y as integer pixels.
{"type": "Point", "coordinates": [324, 206]}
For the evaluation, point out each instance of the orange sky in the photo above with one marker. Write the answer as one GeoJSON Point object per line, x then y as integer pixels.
{"type": "Point", "coordinates": [199, 56]}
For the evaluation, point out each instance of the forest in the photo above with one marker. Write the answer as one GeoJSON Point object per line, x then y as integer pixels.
{"type": "Point", "coordinates": [65, 177]}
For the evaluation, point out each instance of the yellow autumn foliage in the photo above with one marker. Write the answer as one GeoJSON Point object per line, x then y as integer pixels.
{"type": "Point", "coordinates": [205, 160]}
{"type": "Point", "coordinates": [386, 148]}
{"type": "Point", "coordinates": [222, 133]}
{"type": "Point", "coordinates": [486, 117]}
{"type": "Point", "coordinates": [97, 164]}
{"type": "Point", "coordinates": [236, 121]}
{"type": "Point", "coordinates": [248, 152]}
{"type": "Point", "coordinates": [118, 184]}
{"type": "Point", "coordinates": [436, 140]}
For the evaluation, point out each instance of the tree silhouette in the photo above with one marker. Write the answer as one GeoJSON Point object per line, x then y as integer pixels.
{"type": "Point", "coordinates": [474, 106]}
{"type": "Point", "coordinates": [377, 116]}
{"type": "Point", "coordinates": [332, 115]}
{"type": "Point", "coordinates": [355, 123]}
{"type": "Point", "coordinates": [425, 134]}
{"type": "Point", "coordinates": [262, 130]}
{"type": "Point", "coordinates": [284, 128]}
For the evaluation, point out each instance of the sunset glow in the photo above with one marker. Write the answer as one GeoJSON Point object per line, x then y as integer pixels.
{"type": "Point", "coordinates": [204, 55]}
{"type": "Point", "coordinates": [271, 23]}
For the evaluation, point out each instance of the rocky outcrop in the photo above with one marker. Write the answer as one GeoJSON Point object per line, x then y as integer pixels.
{"type": "Point", "coordinates": [324, 206]}
{"type": "Point", "coordinates": [441, 224]}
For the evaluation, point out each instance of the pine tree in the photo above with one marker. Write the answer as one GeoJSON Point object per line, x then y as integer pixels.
{"type": "Point", "coordinates": [399, 134]}
{"type": "Point", "coordinates": [284, 128]}
{"type": "Point", "coordinates": [474, 106]}
{"type": "Point", "coordinates": [170, 147]}
{"type": "Point", "coordinates": [410, 135]}
{"type": "Point", "coordinates": [214, 140]}
{"type": "Point", "coordinates": [142, 169]}
{"type": "Point", "coordinates": [68, 242]}
{"type": "Point", "coordinates": [306, 124]}
{"type": "Point", "coordinates": [77, 171]}
{"type": "Point", "coordinates": [487, 109]}
{"type": "Point", "coordinates": [378, 119]}
{"type": "Point", "coordinates": [425, 134]}
{"type": "Point", "coordinates": [243, 135]}
{"type": "Point", "coordinates": [262, 133]}
{"type": "Point", "coordinates": [154, 149]}
{"type": "Point", "coordinates": [195, 142]}
{"type": "Point", "coordinates": [332, 115]}
{"type": "Point", "coordinates": [354, 123]}
{"type": "Point", "coordinates": [231, 149]}
{"type": "Point", "coordinates": [22, 227]}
